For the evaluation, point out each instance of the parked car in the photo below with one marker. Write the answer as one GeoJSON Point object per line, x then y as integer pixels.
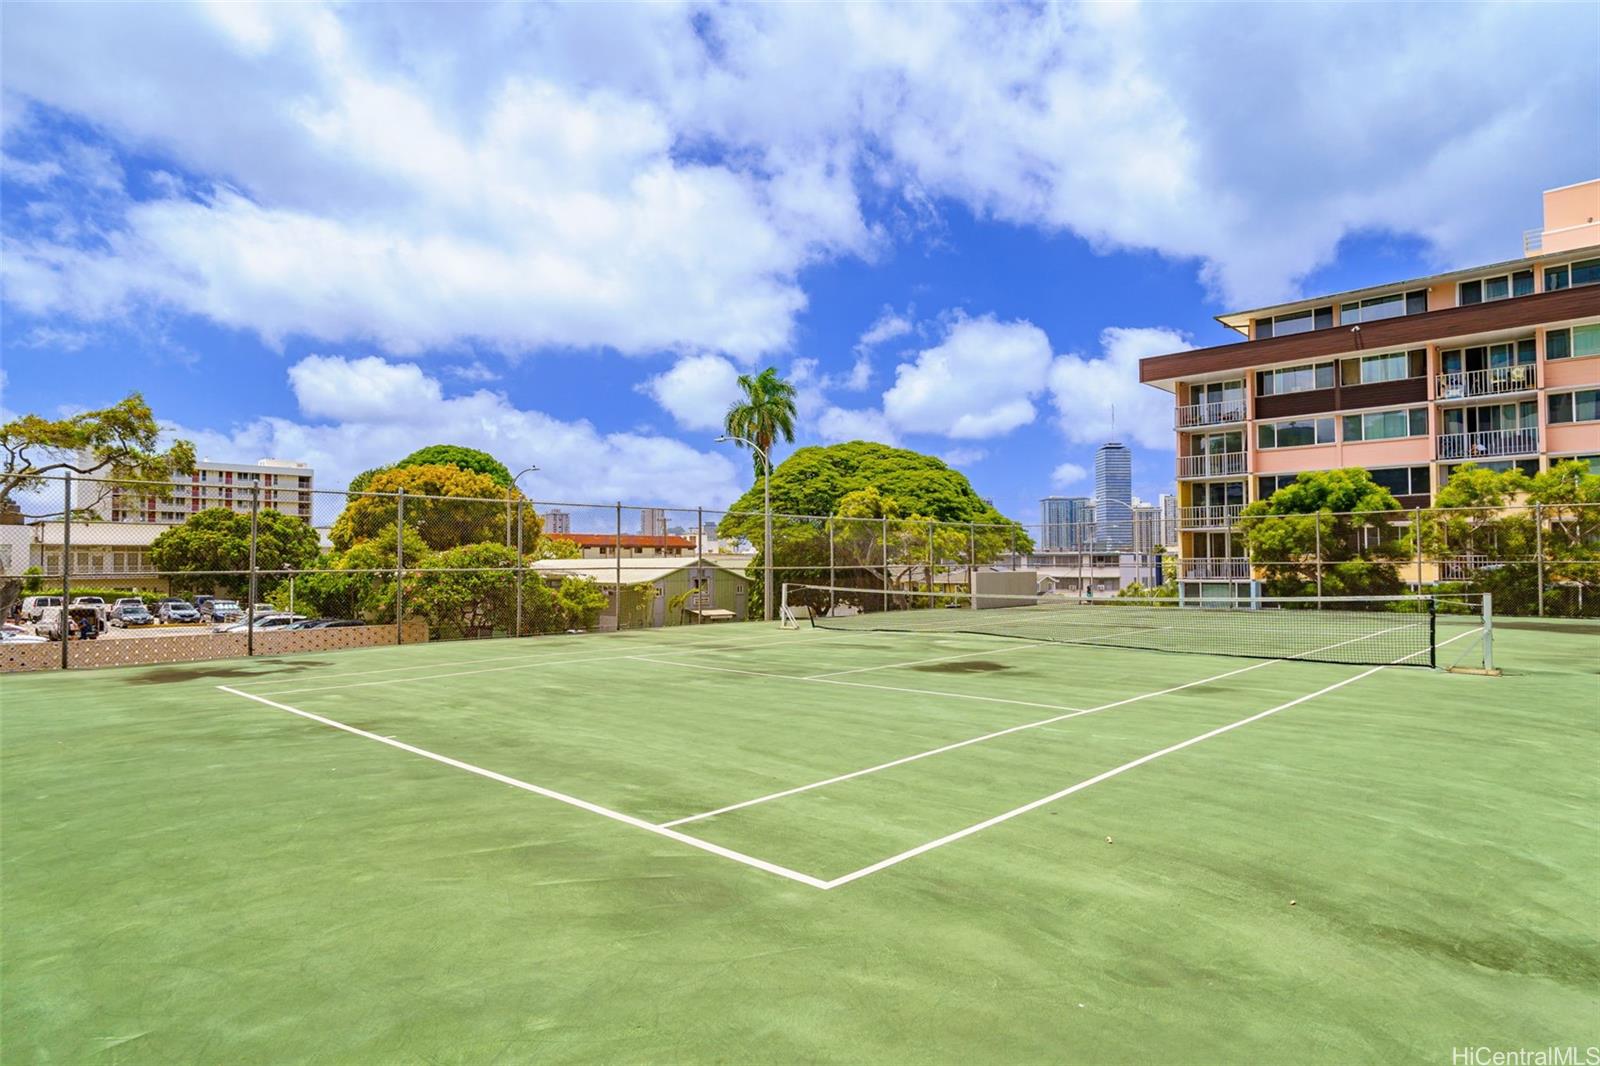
{"type": "Point", "coordinates": [133, 613]}
{"type": "Point", "coordinates": [310, 623]}
{"type": "Point", "coordinates": [11, 633]}
{"type": "Point", "coordinates": [128, 601]}
{"type": "Point", "coordinates": [34, 606]}
{"type": "Point", "coordinates": [222, 610]}
{"type": "Point", "coordinates": [83, 622]}
{"type": "Point", "coordinates": [202, 602]}
{"type": "Point", "coordinates": [176, 611]}
{"type": "Point", "coordinates": [88, 601]}
{"type": "Point", "coordinates": [263, 625]}
{"type": "Point", "coordinates": [260, 609]}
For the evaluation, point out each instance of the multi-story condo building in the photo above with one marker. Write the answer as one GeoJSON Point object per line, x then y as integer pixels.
{"type": "Point", "coordinates": [284, 486]}
{"type": "Point", "coordinates": [1169, 519]}
{"type": "Point", "coordinates": [557, 521]}
{"type": "Point", "coordinates": [1066, 523]}
{"type": "Point", "coordinates": [1113, 495]}
{"type": "Point", "coordinates": [1497, 365]}
{"type": "Point", "coordinates": [653, 521]}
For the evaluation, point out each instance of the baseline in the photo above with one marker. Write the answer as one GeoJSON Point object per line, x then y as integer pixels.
{"type": "Point", "coordinates": [548, 793]}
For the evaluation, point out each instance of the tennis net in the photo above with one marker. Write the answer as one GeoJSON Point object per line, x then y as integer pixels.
{"type": "Point", "coordinates": [1363, 631]}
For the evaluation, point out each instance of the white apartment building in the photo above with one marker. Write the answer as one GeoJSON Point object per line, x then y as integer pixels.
{"type": "Point", "coordinates": [557, 521]}
{"type": "Point", "coordinates": [285, 486]}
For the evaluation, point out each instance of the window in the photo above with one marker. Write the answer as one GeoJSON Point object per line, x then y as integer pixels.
{"type": "Point", "coordinates": [1294, 322]}
{"type": "Point", "coordinates": [1580, 406]}
{"type": "Point", "coordinates": [1404, 480]}
{"type": "Point", "coordinates": [1555, 278]}
{"type": "Point", "coordinates": [1586, 272]}
{"type": "Point", "coordinates": [1294, 434]}
{"type": "Point", "coordinates": [1498, 466]}
{"type": "Point", "coordinates": [1294, 379]}
{"type": "Point", "coordinates": [1389, 305]}
{"type": "Point", "coordinates": [1396, 366]}
{"type": "Point", "coordinates": [1271, 483]}
{"type": "Point", "coordinates": [1386, 425]}
{"type": "Point", "coordinates": [1570, 343]}
{"type": "Point", "coordinates": [1499, 287]}
{"type": "Point", "coordinates": [1491, 418]}
{"type": "Point", "coordinates": [1592, 460]}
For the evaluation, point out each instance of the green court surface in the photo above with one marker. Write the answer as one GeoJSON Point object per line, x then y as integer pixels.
{"type": "Point", "coordinates": [742, 843]}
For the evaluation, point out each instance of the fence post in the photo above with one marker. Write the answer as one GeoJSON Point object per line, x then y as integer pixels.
{"type": "Point", "coordinates": [618, 545]}
{"type": "Point", "coordinates": [250, 607]}
{"type": "Point", "coordinates": [399, 566]}
{"type": "Point", "coordinates": [972, 563]}
{"type": "Point", "coordinates": [884, 522]}
{"type": "Point", "coordinates": [832, 577]}
{"type": "Point", "coordinates": [63, 616]}
{"type": "Point", "coordinates": [700, 564]}
{"type": "Point", "coordinates": [517, 628]}
{"type": "Point", "coordinates": [930, 554]}
{"type": "Point", "coordinates": [1317, 527]}
{"type": "Point", "coordinates": [1538, 550]}
{"type": "Point", "coordinates": [1416, 537]}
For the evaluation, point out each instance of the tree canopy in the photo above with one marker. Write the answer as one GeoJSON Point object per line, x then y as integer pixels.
{"type": "Point", "coordinates": [459, 456]}
{"type": "Point", "coordinates": [452, 506]}
{"type": "Point", "coordinates": [815, 481]}
{"type": "Point", "coordinates": [1328, 531]}
{"type": "Point", "coordinates": [122, 441]}
{"type": "Point", "coordinates": [218, 539]}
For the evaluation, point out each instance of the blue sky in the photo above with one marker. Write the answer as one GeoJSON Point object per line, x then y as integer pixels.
{"type": "Point", "coordinates": [338, 233]}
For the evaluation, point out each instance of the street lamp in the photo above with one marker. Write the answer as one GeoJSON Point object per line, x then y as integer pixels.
{"type": "Point", "coordinates": [510, 500]}
{"type": "Point", "coordinates": [766, 519]}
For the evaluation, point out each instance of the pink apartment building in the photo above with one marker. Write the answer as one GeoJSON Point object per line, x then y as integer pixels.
{"type": "Point", "coordinates": [1497, 365]}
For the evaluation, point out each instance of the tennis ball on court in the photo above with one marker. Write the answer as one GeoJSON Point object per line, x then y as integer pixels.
{"type": "Point", "coordinates": [1109, 840]}
{"type": "Point", "coordinates": [1292, 902]}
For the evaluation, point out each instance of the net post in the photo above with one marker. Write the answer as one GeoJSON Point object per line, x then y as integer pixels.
{"type": "Point", "coordinates": [399, 566]}
{"type": "Point", "coordinates": [700, 561]}
{"type": "Point", "coordinates": [1433, 633]}
{"type": "Point", "coordinates": [63, 616]}
{"type": "Point", "coordinates": [833, 578]}
{"type": "Point", "coordinates": [618, 545]}
{"type": "Point", "coordinates": [1416, 539]}
{"type": "Point", "coordinates": [1488, 631]}
{"type": "Point", "coordinates": [1317, 532]}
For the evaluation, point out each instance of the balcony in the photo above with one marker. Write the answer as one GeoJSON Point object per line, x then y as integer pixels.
{"type": "Point", "coordinates": [1216, 569]}
{"type": "Point", "coordinates": [1217, 464]}
{"type": "Point", "coordinates": [1488, 444]}
{"type": "Point", "coordinates": [1211, 414]}
{"type": "Point", "coordinates": [1209, 516]}
{"type": "Point", "coordinates": [1496, 381]}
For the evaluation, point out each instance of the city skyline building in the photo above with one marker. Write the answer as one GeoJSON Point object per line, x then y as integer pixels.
{"type": "Point", "coordinates": [1066, 522]}
{"type": "Point", "coordinates": [1113, 495]}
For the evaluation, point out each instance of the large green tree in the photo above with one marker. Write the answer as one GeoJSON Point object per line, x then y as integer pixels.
{"type": "Point", "coordinates": [1336, 527]}
{"type": "Point", "coordinates": [121, 442]}
{"type": "Point", "coordinates": [869, 500]}
{"type": "Point", "coordinates": [764, 412]}
{"type": "Point", "coordinates": [448, 505]}
{"type": "Point", "coordinates": [218, 539]}
{"type": "Point", "coordinates": [458, 456]}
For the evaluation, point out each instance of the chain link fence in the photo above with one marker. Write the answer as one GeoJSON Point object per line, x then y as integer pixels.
{"type": "Point", "coordinates": [243, 567]}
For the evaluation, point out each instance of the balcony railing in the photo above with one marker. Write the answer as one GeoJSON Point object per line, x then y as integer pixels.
{"type": "Point", "coordinates": [1488, 443]}
{"type": "Point", "coordinates": [1216, 569]}
{"type": "Point", "coordinates": [1209, 515]}
{"type": "Point", "coordinates": [1461, 567]}
{"type": "Point", "coordinates": [1495, 381]}
{"type": "Point", "coordinates": [1217, 464]}
{"type": "Point", "coordinates": [1211, 414]}
{"type": "Point", "coordinates": [1532, 241]}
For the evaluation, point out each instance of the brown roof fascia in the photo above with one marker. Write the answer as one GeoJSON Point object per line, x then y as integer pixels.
{"type": "Point", "coordinates": [1374, 336]}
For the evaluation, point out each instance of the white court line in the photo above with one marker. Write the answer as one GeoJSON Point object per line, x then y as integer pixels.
{"type": "Point", "coordinates": [524, 665]}
{"type": "Point", "coordinates": [951, 838]}
{"type": "Point", "coordinates": [987, 736]}
{"type": "Point", "coordinates": [959, 834]}
{"type": "Point", "coordinates": [548, 793]}
{"type": "Point", "coordinates": [474, 661]}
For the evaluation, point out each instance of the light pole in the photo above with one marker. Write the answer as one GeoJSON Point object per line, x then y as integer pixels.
{"type": "Point", "coordinates": [517, 570]}
{"type": "Point", "coordinates": [511, 502]}
{"type": "Point", "coordinates": [766, 520]}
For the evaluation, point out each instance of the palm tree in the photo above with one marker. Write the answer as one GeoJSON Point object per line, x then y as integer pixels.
{"type": "Point", "coordinates": [766, 411]}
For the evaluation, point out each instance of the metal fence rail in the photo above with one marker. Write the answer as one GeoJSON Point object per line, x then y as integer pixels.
{"type": "Point", "coordinates": [406, 567]}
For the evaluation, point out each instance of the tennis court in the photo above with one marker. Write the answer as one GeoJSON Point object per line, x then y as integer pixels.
{"type": "Point", "coordinates": [752, 842]}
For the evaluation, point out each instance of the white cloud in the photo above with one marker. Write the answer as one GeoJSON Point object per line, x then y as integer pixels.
{"type": "Point", "coordinates": [475, 372]}
{"type": "Point", "coordinates": [888, 325]}
{"type": "Point", "coordinates": [696, 391]}
{"type": "Point", "coordinates": [362, 390]}
{"type": "Point", "coordinates": [576, 461]}
{"type": "Point", "coordinates": [1067, 474]}
{"type": "Point", "coordinates": [965, 456]}
{"type": "Point", "coordinates": [837, 424]}
{"type": "Point", "coordinates": [642, 177]}
{"type": "Point", "coordinates": [977, 382]}
{"type": "Point", "coordinates": [1099, 398]}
